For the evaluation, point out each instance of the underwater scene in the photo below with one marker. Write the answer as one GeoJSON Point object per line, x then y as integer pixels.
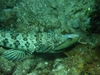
{"type": "Point", "coordinates": [49, 37]}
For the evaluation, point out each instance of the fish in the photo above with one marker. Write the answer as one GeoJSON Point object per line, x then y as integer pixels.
{"type": "Point", "coordinates": [20, 44]}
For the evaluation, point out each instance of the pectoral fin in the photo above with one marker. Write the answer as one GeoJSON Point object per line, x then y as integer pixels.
{"type": "Point", "coordinates": [14, 55]}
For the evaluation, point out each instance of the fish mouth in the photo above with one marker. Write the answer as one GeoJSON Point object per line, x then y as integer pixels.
{"type": "Point", "coordinates": [64, 49]}
{"type": "Point", "coordinates": [58, 51]}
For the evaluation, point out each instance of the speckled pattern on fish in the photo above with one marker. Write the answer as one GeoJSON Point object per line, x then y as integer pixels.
{"type": "Point", "coordinates": [21, 44]}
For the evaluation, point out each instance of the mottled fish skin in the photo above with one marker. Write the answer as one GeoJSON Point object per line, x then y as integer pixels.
{"type": "Point", "coordinates": [23, 44]}
{"type": "Point", "coordinates": [18, 41]}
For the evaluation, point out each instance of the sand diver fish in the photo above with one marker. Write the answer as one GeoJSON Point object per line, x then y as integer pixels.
{"type": "Point", "coordinates": [21, 44]}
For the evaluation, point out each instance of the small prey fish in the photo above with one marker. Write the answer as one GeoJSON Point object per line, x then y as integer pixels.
{"type": "Point", "coordinates": [21, 44]}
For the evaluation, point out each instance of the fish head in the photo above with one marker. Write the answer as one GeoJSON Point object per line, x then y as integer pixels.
{"type": "Point", "coordinates": [69, 39]}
